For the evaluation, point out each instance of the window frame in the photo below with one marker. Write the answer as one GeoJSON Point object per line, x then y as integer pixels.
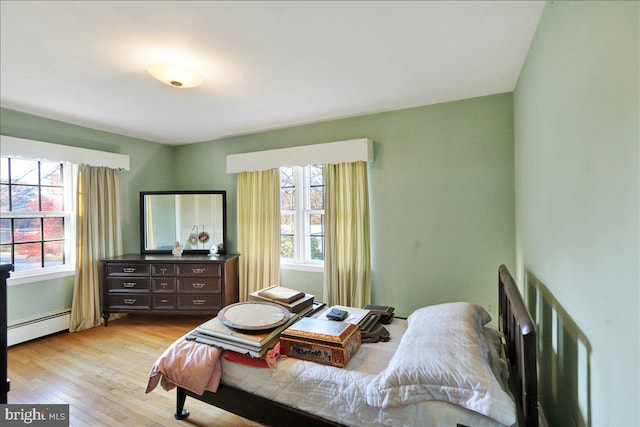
{"type": "Point", "coordinates": [69, 178]}
{"type": "Point", "coordinates": [302, 243]}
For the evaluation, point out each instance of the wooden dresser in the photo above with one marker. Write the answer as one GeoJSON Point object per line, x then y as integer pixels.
{"type": "Point", "coordinates": [190, 284]}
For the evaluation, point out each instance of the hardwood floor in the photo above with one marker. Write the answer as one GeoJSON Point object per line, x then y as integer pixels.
{"type": "Point", "coordinates": [102, 374]}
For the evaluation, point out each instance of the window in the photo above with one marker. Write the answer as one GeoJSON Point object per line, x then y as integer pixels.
{"type": "Point", "coordinates": [36, 218]}
{"type": "Point", "coordinates": [302, 215]}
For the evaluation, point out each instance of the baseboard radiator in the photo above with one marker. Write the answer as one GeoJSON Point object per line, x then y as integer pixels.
{"type": "Point", "coordinates": [41, 326]}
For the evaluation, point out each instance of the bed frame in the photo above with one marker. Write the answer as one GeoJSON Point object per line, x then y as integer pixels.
{"type": "Point", "coordinates": [519, 346]}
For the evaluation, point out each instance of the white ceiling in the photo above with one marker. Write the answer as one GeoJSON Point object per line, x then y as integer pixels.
{"type": "Point", "coordinates": [266, 65]}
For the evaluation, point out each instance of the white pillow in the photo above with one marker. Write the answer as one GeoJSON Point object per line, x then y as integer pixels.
{"type": "Point", "coordinates": [443, 356]}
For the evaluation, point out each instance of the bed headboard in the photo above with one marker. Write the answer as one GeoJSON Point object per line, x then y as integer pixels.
{"type": "Point", "coordinates": [520, 347]}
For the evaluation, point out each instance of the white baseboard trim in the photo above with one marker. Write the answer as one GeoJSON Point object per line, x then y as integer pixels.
{"type": "Point", "coordinates": [36, 328]}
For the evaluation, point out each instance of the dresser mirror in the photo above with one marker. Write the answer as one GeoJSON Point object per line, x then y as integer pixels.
{"type": "Point", "coordinates": [197, 220]}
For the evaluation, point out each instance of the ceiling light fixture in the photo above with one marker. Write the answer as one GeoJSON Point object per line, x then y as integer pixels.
{"type": "Point", "coordinates": [175, 75]}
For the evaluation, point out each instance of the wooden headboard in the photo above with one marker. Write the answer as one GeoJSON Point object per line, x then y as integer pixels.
{"type": "Point", "coordinates": [519, 348]}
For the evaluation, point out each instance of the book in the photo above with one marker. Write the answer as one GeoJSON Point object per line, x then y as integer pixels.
{"type": "Point", "coordinates": [295, 307]}
{"type": "Point", "coordinates": [281, 294]}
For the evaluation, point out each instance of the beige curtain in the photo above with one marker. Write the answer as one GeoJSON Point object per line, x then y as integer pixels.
{"type": "Point", "coordinates": [347, 265]}
{"type": "Point", "coordinates": [258, 230]}
{"type": "Point", "coordinates": [97, 236]}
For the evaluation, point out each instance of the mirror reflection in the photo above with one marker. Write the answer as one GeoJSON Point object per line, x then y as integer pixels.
{"type": "Point", "coordinates": [194, 219]}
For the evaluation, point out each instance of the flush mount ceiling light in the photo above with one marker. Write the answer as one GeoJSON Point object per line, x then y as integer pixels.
{"type": "Point", "coordinates": [175, 75]}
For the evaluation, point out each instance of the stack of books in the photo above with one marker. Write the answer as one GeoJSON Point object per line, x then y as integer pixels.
{"type": "Point", "coordinates": [322, 341]}
{"type": "Point", "coordinates": [214, 332]}
{"type": "Point", "coordinates": [293, 300]}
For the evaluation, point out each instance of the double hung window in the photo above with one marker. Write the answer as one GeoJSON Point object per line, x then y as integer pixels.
{"type": "Point", "coordinates": [302, 192]}
{"type": "Point", "coordinates": [36, 221]}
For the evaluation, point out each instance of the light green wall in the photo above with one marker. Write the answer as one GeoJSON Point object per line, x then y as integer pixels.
{"type": "Point", "coordinates": [150, 166]}
{"type": "Point", "coordinates": [577, 126]}
{"type": "Point", "coordinates": [441, 192]}
{"type": "Point", "coordinates": [441, 196]}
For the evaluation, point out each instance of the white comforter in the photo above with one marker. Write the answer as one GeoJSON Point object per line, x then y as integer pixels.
{"type": "Point", "coordinates": [381, 387]}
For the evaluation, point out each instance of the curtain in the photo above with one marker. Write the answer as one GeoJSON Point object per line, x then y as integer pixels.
{"type": "Point", "coordinates": [347, 265]}
{"type": "Point", "coordinates": [258, 230]}
{"type": "Point", "coordinates": [97, 236]}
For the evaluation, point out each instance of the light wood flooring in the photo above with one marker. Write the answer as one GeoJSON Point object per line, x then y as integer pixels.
{"type": "Point", "coordinates": [102, 374]}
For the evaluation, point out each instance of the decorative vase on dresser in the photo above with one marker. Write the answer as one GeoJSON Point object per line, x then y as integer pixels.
{"type": "Point", "coordinates": [159, 283]}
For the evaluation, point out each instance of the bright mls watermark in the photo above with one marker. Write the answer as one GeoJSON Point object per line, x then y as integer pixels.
{"type": "Point", "coordinates": [35, 415]}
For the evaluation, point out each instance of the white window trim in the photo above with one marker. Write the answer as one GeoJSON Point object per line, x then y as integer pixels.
{"type": "Point", "coordinates": [71, 157]}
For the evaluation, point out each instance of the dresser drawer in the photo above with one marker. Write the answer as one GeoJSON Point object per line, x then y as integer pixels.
{"type": "Point", "coordinates": [127, 269]}
{"type": "Point", "coordinates": [163, 302]}
{"type": "Point", "coordinates": [200, 270]}
{"type": "Point", "coordinates": [199, 302]}
{"type": "Point", "coordinates": [202, 285]}
{"type": "Point", "coordinates": [129, 301]}
{"type": "Point", "coordinates": [128, 284]}
{"type": "Point", "coordinates": [163, 269]}
{"type": "Point", "coordinates": [166, 284]}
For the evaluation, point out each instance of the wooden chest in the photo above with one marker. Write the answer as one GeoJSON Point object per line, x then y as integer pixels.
{"type": "Point", "coordinates": [321, 341]}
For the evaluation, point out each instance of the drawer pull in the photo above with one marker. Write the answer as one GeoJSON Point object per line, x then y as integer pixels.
{"type": "Point", "coordinates": [130, 301]}
{"type": "Point", "coordinates": [129, 284]}
{"type": "Point", "coordinates": [199, 301]}
{"type": "Point", "coordinates": [197, 270]}
{"type": "Point", "coordinates": [164, 301]}
{"type": "Point", "coordinates": [129, 269]}
{"type": "Point", "coordinates": [198, 285]}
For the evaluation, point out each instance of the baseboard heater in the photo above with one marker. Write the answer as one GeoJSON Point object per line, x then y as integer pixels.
{"type": "Point", "coordinates": [41, 326]}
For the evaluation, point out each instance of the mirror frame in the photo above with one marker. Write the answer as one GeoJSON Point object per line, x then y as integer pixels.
{"type": "Point", "coordinates": [144, 250]}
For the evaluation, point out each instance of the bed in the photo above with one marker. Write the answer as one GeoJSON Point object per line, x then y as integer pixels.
{"type": "Point", "coordinates": [392, 383]}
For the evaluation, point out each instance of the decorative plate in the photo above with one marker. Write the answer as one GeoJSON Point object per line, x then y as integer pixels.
{"type": "Point", "coordinates": [253, 316]}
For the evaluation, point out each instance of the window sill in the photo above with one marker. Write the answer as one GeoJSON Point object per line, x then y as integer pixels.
{"type": "Point", "coordinates": [40, 276]}
{"type": "Point", "coordinates": [313, 268]}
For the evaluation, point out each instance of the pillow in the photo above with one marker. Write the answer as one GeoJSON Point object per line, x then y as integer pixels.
{"type": "Point", "coordinates": [443, 356]}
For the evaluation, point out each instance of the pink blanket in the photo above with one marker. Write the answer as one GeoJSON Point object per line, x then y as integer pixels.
{"type": "Point", "coordinates": [188, 364]}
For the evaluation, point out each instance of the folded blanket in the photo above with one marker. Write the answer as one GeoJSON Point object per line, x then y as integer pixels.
{"type": "Point", "coordinates": [188, 364]}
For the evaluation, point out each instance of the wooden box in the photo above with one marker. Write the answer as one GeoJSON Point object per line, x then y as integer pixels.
{"type": "Point", "coordinates": [321, 341]}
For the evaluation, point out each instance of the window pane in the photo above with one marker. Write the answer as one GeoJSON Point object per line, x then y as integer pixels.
{"type": "Point", "coordinates": [4, 170]}
{"type": "Point", "coordinates": [315, 174]}
{"type": "Point", "coordinates": [4, 198]}
{"type": "Point", "coordinates": [5, 254]}
{"type": "Point", "coordinates": [50, 173]}
{"type": "Point", "coordinates": [287, 224]}
{"type": "Point", "coordinates": [288, 199]}
{"type": "Point", "coordinates": [5, 230]}
{"type": "Point", "coordinates": [316, 197]}
{"type": "Point", "coordinates": [316, 224]}
{"type": "Point", "coordinates": [53, 253]}
{"type": "Point", "coordinates": [52, 199]}
{"type": "Point", "coordinates": [53, 228]}
{"type": "Point", "coordinates": [24, 171]}
{"type": "Point", "coordinates": [26, 230]}
{"type": "Point", "coordinates": [287, 177]}
{"type": "Point", "coordinates": [317, 248]}
{"type": "Point", "coordinates": [28, 256]}
{"type": "Point", "coordinates": [24, 198]}
{"type": "Point", "coordinates": [287, 247]}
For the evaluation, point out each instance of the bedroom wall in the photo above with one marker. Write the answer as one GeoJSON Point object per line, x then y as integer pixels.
{"type": "Point", "coordinates": [576, 114]}
{"type": "Point", "coordinates": [146, 159]}
{"type": "Point", "coordinates": [441, 196]}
